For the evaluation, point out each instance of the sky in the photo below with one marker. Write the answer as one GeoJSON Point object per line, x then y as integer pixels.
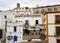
{"type": "Point", "coordinates": [10, 4]}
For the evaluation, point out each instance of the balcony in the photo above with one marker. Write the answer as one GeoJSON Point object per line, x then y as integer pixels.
{"type": "Point", "coordinates": [36, 27]}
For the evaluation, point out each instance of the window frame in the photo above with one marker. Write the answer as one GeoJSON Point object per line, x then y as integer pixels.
{"type": "Point", "coordinates": [55, 19]}
{"type": "Point", "coordinates": [57, 40]}
{"type": "Point", "coordinates": [56, 31]}
{"type": "Point", "coordinates": [36, 22]}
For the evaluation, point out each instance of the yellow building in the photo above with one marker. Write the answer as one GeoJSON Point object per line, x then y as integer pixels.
{"type": "Point", "coordinates": [52, 27]}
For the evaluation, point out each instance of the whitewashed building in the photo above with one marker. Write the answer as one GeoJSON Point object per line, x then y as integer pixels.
{"type": "Point", "coordinates": [18, 23]}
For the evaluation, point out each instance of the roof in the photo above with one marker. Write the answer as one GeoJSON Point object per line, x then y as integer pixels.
{"type": "Point", "coordinates": [51, 12]}
{"type": "Point", "coordinates": [46, 6]}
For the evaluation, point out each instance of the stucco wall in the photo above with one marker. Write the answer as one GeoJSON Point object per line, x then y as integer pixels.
{"type": "Point", "coordinates": [52, 40]}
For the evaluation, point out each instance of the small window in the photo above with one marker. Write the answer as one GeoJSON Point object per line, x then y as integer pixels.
{"type": "Point", "coordinates": [40, 30]}
{"type": "Point", "coordinates": [58, 40]}
{"type": "Point", "coordinates": [5, 16]}
{"type": "Point", "coordinates": [14, 28]}
{"type": "Point", "coordinates": [36, 22]}
{"type": "Point", "coordinates": [5, 29]}
{"type": "Point", "coordinates": [57, 19]}
{"type": "Point", "coordinates": [1, 33]}
{"type": "Point", "coordinates": [57, 31]}
{"type": "Point", "coordinates": [55, 9]}
{"type": "Point", "coordinates": [5, 23]}
{"type": "Point", "coordinates": [27, 23]}
{"type": "Point", "coordinates": [49, 9]}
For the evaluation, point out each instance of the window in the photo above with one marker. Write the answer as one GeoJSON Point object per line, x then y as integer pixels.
{"type": "Point", "coordinates": [26, 23]}
{"type": "Point", "coordinates": [14, 28]}
{"type": "Point", "coordinates": [5, 16]}
{"type": "Point", "coordinates": [40, 30]}
{"type": "Point", "coordinates": [26, 31]}
{"type": "Point", "coordinates": [57, 31]}
{"type": "Point", "coordinates": [42, 10]}
{"type": "Point", "coordinates": [5, 23]}
{"type": "Point", "coordinates": [57, 19]}
{"type": "Point", "coordinates": [58, 41]}
{"type": "Point", "coordinates": [36, 22]}
{"type": "Point", "coordinates": [49, 9]}
{"type": "Point", "coordinates": [1, 33]}
{"type": "Point", "coordinates": [55, 9]}
{"type": "Point", "coordinates": [5, 29]}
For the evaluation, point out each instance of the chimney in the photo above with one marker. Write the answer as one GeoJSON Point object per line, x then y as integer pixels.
{"type": "Point", "coordinates": [18, 5]}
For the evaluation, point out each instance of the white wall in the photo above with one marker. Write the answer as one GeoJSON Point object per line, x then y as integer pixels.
{"type": "Point", "coordinates": [18, 33]}
{"type": "Point", "coordinates": [31, 20]}
{"type": "Point", "coordinates": [10, 29]}
{"type": "Point", "coordinates": [9, 15]}
{"type": "Point", "coordinates": [51, 29]}
{"type": "Point", "coordinates": [52, 40]}
{"type": "Point", "coordinates": [51, 18]}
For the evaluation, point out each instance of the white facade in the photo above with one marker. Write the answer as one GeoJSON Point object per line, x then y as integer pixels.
{"type": "Point", "coordinates": [10, 32]}
{"type": "Point", "coordinates": [2, 20]}
{"type": "Point", "coordinates": [18, 18]}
